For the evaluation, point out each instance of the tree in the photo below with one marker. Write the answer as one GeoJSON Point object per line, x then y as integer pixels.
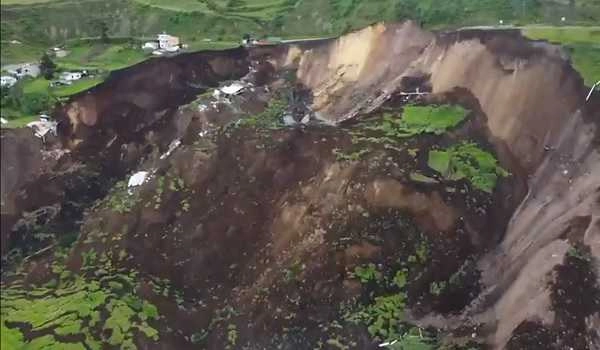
{"type": "Point", "coordinates": [103, 31]}
{"type": "Point", "coordinates": [47, 67]}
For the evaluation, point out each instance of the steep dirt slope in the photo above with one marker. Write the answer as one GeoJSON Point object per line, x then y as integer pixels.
{"type": "Point", "coordinates": [534, 103]}
{"type": "Point", "coordinates": [259, 226]}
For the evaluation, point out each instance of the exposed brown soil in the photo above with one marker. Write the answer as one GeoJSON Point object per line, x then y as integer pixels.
{"type": "Point", "coordinates": [575, 297]}
{"type": "Point", "coordinates": [262, 228]}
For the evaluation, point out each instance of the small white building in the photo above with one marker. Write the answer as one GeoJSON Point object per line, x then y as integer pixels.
{"type": "Point", "coordinates": [23, 70]}
{"type": "Point", "coordinates": [7, 81]}
{"type": "Point", "coordinates": [71, 76]}
{"type": "Point", "coordinates": [168, 42]}
{"type": "Point", "coordinates": [58, 52]}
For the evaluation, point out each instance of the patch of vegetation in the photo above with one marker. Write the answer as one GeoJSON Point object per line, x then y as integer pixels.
{"type": "Point", "coordinates": [270, 118]}
{"type": "Point", "coordinates": [93, 313]}
{"type": "Point", "coordinates": [120, 199]}
{"type": "Point", "coordinates": [467, 161]}
{"type": "Point", "coordinates": [160, 189]}
{"type": "Point", "coordinates": [349, 157]}
{"type": "Point", "coordinates": [293, 272]}
{"type": "Point", "coordinates": [20, 122]}
{"type": "Point", "coordinates": [76, 87]}
{"type": "Point", "coordinates": [384, 316]}
{"type": "Point", "coordinates": [583, 44]}
{"type": "Point", "coordinates": [176, 184]}
{"type": "Point", "coordinates": [34, 96]}
{"type": "Point", "coordinates": [101, 56]}
{"type": "Point", "coordinates": [418, 177]}
{"type": "Point", "coordinates": [414, 339]}
{"type": "Point", "coordinates": [232, 336]}
{"type": "Point", "coordinates": [420, 120]}
{"type": "Point", "coordinates": [27, 97]}
{"type": "Point", "coordinates": [366, 273]}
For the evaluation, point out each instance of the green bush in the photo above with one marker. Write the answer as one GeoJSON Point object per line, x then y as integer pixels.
{"type": "Point", "coordinates": [34, 103]}
{"type": "Point", "coordinates": [419, 120]}
{"type": "Point", "coordinates": [467, 161]}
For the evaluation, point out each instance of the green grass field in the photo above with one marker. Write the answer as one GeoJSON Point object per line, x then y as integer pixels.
{"type": "Point", "coordinates": [583, 44]}
{"type": "Point", "coordinates": [97, 55]}
{"type": "Point", "coordinates": [20, 122]}
{"type": "Point", "coordinates": [22, 2]}
{"type": "Point", "coordinates": [76, 87]}
{"type": "Point", "coordinates": [565, 35]}
{"type": "Point", "coordinates": [41, 85]}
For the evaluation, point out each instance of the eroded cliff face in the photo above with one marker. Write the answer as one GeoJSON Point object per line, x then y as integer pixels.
{"type": "Point", "coordinates": [538, 120]}
{"type": "Point", "coordinates": [535, 108]}
{"type": "Point", "coordinates": [267, 211]}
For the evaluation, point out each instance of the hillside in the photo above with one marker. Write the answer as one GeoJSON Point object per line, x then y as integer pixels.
{"type": "Point", "coordinates": [44, 23]}
{"type": "Point", "coordinates": [424, 190]}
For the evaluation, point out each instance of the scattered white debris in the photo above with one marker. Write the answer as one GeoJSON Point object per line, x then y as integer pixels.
{"type": "Point", "coordinates": [305, 119]}
{"type": "Point", "coordinates": [288, 120]}
{"type": "Point", "coordinates": [203, 133]}
{"type": "Point", "coordinates": [55, 153]}
{"type": "Point", "coordinates": [233, 89]}
{"type": "Point", "coordinates": [42, 127]}
{"type": "Point", "coordinates": [3, 121]}
{"type": "Point", "coordinates": [172, 146]}
{"type": "Point", "coordinates": [136, 179]}
{"type": "Point", "coordinates": [388, 343]}
{"type": "Point", "coordinates": [565, 172]}
{"type": "Point", "coordinates": [202, 107]}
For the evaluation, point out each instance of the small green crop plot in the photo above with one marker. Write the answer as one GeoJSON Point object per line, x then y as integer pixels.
{"type": "Point", "coordinates": [467, 161]}
{"type": "Point", "coordinates": [420, 120]}
{"type": "Point", "coordinates": [72, 312]}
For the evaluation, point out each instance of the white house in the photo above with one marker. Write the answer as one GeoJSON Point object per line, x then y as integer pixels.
{"type": "Point", "coordinates": [58, 52]}
{"type": "Point", "coordinates": [7, 81]}
{"type": "Point", "coordinates": [23, 70]}
{"type": "Point", "coordinates": [168, 42]}
{"type": "Point", "coordinates": [71, 76]}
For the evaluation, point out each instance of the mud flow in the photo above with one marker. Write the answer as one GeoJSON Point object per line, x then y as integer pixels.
{"type": "Point", "coordinates": [389, 188]}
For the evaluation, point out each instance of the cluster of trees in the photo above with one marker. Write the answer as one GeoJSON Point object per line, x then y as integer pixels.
{"type": "Point", "coordinates": [15, 102]}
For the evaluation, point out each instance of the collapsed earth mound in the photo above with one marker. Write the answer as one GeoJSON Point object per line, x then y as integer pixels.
{"type": "Point", "coordinates": [428, 190]}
